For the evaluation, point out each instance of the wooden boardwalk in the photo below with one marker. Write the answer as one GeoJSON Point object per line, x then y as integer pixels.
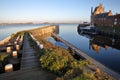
{"type": "Point", "coordinates": [98, 64]}
{"type": "Point", "coordinates": [29, 57]}
{"type": "Point", "coordinates": [30, 66]}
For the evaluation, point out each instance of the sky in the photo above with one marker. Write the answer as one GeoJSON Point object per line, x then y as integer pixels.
{"type": "Point", "coordinates": [53, 11]}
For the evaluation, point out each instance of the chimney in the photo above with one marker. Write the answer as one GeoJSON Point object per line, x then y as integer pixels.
{"type": "Point", "coordinates": [110, 13]}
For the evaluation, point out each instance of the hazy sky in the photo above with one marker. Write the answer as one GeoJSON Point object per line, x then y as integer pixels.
{"type": "Point", "coordinates": [52, 10]}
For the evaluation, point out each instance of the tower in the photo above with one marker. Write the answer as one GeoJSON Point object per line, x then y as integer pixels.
{"type": "Point", "coordinates": [91, 19]}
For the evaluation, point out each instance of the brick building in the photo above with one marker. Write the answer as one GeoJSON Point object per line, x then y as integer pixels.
{"type": "Point", "coordinates": [101, 18]}
{"type": "Point", "coordinates": [117, 20]}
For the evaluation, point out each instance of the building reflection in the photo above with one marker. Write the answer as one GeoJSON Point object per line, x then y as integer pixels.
{"type": "Point", "coordinates": [96, 47]}
{"type": "Point", "coordinates": [97, 41]}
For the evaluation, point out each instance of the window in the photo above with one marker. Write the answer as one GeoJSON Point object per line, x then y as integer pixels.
{"type": "Point", "coordinates": [115, 19]}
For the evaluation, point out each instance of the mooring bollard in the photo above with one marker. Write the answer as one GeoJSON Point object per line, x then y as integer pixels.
{"type": "Point", "coordinates": [8, 68]}
{"type": "Point", "coordinates": [14, 54]}
{"type": "Point", "coordinates": [8, 49]}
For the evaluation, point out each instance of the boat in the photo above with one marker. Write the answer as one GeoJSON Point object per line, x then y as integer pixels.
{"type": "Point", "coordinates": [88, 29]}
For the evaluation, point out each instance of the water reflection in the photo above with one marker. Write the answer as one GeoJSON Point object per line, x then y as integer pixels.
{"type": "Point", "coordinates": [97, 41]}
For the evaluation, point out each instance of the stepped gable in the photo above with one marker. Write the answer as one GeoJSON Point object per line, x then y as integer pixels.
{"type": "Point", "coordinates": [99, 9]}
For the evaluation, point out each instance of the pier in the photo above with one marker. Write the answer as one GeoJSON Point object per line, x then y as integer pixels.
{"type": "Point", "coordinates": [30, 59]}
{"type": "Point", "coordinates": [80, 53]}
{"type": "Point", "coordinates": [30, 67]}
{"type": "Point", "coordinates": [29, 63]}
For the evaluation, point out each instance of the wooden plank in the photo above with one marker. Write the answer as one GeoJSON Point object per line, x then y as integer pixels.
{"type": "Point", "coordinates": [28, 56]}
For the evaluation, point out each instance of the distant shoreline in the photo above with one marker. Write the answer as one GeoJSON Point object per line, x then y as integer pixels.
{"type": "Point", "coordinates": [14, 23]}
{"type": "Point", "coordinates": [4, 24]}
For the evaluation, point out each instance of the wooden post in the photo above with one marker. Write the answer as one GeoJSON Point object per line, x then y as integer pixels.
{"type": "Point", "coordinates": [21, 39]}
{"type": "Point", "coordinates": [14, 54]}
{"type": "Point", "coordinates": [8, 68]}
{"type": "Point", "coordinates": [98, 71]}
{"type": "Point", "coordinates": [17, 38]}
{"type": "Point", "coordinates": [15, 42]}
{"type": "Point", "coordinates": [8, 49]}
{"type": "Point", "coordinates": [41, 46]}
{"type": "Point", "coordinates": [17, 47]}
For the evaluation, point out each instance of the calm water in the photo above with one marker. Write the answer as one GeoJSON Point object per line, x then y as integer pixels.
{"type": "Point", "coordinates": [107, 55]}
{"type": "Point", "coordinates": [7, 30]}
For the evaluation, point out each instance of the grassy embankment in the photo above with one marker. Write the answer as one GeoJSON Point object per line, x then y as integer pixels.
{"type": "Point", "coordinates": [60, 61]}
